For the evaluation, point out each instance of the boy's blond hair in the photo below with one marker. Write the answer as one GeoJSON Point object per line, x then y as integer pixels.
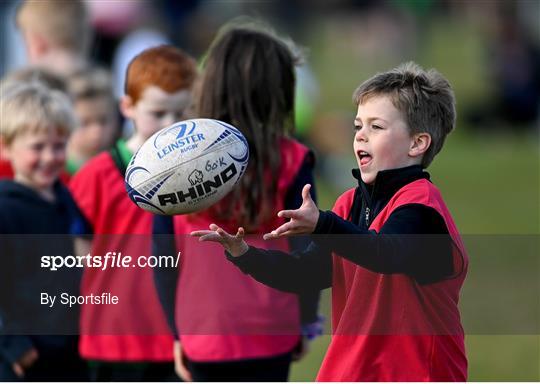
{"type": "Point", "coordinates": [31, 108]}
{"type": "Point", "coordinates": [424, 97]}
{"type": "Point", "coordinates": [35, 75]}
{"type": "Point", "coordinates": [90, 83]}
{"type": "Point", "coordinates": [63, 23]}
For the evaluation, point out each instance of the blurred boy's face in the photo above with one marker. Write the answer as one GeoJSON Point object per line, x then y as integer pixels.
{"type": "Point", "coordinates": [382, 139]}
{"type": "Point", "coordinates": [34, 46]}
{"type": "Point", "coordinates": [98, 126]}
{"type": "Point", "coordinates": [157, 109]}
{"type": "Point", "coordinates": [37, 158]}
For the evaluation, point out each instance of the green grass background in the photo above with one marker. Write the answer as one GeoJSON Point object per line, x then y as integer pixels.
{"type": "Point", "coordinates": [490, 179]}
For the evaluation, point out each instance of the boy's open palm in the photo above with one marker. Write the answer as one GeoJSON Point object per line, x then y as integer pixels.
{"type": "Point", "coordinates": [302, 220]}
{"type": "Point", "coordinates": [235, 245]}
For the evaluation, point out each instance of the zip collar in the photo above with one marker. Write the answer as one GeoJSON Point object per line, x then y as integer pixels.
{"type": "Point", "coordinates": [387, 183]}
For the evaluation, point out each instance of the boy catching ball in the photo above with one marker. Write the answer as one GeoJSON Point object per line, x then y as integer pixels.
{"type": "Point", "coordinates": [395, 260]}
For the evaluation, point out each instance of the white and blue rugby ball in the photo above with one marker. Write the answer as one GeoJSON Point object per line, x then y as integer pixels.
{"type": "Point", "coordinates": [187, 167]}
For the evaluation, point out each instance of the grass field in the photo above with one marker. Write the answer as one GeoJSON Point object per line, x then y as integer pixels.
{"type": "Point", "coordinates": [491, 185]}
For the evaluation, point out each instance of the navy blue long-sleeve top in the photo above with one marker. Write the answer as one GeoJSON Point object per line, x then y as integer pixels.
{"type": "Point", "coordinates": [406, 243]}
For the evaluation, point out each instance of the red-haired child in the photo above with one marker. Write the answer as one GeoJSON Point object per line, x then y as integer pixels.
{"type": "Point", "coordinates": [130, 340]}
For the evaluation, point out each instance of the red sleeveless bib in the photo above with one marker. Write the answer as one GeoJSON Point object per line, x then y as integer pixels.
{"type": "Point", "coordinates": [387, 327]}
{"type": "Point", "coordinates": [223, 314]}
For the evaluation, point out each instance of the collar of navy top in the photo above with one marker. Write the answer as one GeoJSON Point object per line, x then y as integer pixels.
{"type": "Point", "coordinates": [387, 183]}
{"type": "Point", "coordinates": [10, 189]}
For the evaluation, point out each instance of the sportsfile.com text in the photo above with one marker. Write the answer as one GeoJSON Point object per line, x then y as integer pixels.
{"type": "Point", "coordinates": [109, 260]}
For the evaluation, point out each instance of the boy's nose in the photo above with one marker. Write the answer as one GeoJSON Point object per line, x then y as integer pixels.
{"type": "Point", "coordinates": [169, 119]}
{"type": "Point", "coordinates": [48, 155]}
{"type": "Point", "coordinates": [360, 135]}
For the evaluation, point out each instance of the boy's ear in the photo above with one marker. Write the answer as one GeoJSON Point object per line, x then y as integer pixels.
{"type": "Point", "coordinates": [420, 144]}
{"type": "Point", "coordinates": [4, 150]}
{"type": "Point", "coordinates": [127, 107]}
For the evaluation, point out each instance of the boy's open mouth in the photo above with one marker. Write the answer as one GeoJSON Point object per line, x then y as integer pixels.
{"type": "Point", "coordinates": [364, 157]}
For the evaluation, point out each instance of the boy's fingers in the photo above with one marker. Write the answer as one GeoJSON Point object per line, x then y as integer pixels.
{"type": "Point", "coordinates": [290, 214]}
{"type": "Point", "coordinates": [277, 235]}
{"type": "Point", "coordinates": [212, 236]}
{"type": "Point", "coordinates": [222, 233]}
{"type": "Point", "coordinates": [200, 232]}
{"type": "Point", "coordinates": [216, 233]}
{"type": "Point", "coordinates": [270, 236]}
{"type": "Point", "coordinates": [305, 192]}
{"type": "Point", "coordinates": [280, 230]}
{"type": "Point", "coordinates": [240, 233]}
{"type": "Point", "coordinates": [283, 228]}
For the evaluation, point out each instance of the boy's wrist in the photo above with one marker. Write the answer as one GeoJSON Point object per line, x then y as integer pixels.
{"type": "Point", "coordinates": [316, 220]}
{"type": "Point", "coordinates": [322, 223]}
{"type": "Point", "coordinates": [240, 250]}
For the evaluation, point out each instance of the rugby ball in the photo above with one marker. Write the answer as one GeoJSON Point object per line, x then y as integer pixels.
{"type": "Point", "coordinates": [187, 166]}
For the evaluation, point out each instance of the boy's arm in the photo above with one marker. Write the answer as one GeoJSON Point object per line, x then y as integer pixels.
{"type": "Point", "coordinates": [298, 272]}
{"type": "Point", "coordinates": [165, 279]}
{"type": "Point", "coordinates": [414, 241]}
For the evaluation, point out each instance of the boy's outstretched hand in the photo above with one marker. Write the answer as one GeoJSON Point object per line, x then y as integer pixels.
{"type": "Point", "coordinates": [303, 220]}
{"type": "Point", "coordinates": [235, 245]}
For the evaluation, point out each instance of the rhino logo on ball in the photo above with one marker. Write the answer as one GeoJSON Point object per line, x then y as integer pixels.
{"type": "Point", "coordinates": [195, 177]}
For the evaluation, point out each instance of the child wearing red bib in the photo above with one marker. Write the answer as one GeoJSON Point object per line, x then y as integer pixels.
{"type": "Point", "coordinates": [230, 327]}
{"type": "Point", "coordinates": [130, 341]}
{"type": "Point", "coordinates": [395, 260]}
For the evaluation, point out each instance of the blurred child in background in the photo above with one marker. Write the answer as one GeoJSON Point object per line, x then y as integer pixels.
{"type": "Point", "coordinates": [228, 324]}
{"type": "Point", "coordinates": [36, 74]}
{"type": "Point", "coordinates": [97, 113]}
{"type": "Point", "coordinates": [130, 341]}
{"type": "Point", "coordinates": [57, 34]}
{"type": "Point", "coordinates": [29, 75]}
{"type": "Point", "coordinates": [35, 125]}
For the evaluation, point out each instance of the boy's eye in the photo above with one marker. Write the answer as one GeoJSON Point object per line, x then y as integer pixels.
{"type": "Point", "coordinates": [59, 146]}
{"type": "Point", "coordinates": [37, 146]}
{"type": "Point", "coordinates": [357, 128]}
{"type": "Point", "coordinates": [158, 114]}
{"type": "Point", "coordinates": [376, 126]}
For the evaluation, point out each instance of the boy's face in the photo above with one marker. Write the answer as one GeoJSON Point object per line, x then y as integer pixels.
{"type": "Point", "coordinates": [382, 139]}
{"type": "Point", "coordinates": [32, 45]}
{"type": "Point", "coordinates": [157, 109]}
{"type": "Point", "coordinates": [98, 126]}
{"type": "Point", "coordinates": [37, 158]}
